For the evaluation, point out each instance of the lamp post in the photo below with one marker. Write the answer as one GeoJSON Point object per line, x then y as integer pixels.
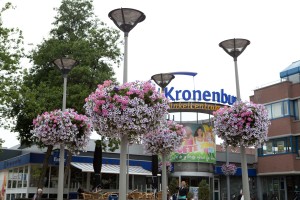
{"type": "Point", "coordinates": [235, 47]}
{"type": "Point", "coordinates": [65, 65]}
{"type": "Point", "coordinates": [125, 19]}
{"type": "Point", "coordinates": [163, 80]}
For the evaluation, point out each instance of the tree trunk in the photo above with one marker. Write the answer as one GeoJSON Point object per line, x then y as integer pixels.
{"type": "Point", "coordinates": [68, 166]}
{"type": "Point", "coordinates": [97, 163]}
{"type": "Point", "coordinates": [45, 166]}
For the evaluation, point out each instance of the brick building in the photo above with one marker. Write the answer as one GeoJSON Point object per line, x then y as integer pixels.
{"type": "Point", "coordinates": [278, 168]}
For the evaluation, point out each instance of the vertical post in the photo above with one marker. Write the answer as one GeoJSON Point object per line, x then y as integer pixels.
{"type": "Point", "coordinates": [227, 176]}
{"type": "Point", "coordinates": [245, 181]}
{"type": "Point", "coordinates": [164, 177]}
{"type": "Point", "coordinates": [125, 70]}
{"type": "Point", "coordinates": [60, 190]}
{"type": "Point", "coordinates": [237, 82]}
{"type": "Point", "coordinates": [246, 191]}
{"type": "Point", "coordinates": [127, 176]}
{"type": "Point", "coordinates": [124, 139]}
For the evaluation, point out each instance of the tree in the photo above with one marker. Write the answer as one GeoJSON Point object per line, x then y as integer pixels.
{"type": "Point", "coordinates": [78, 33]}
{"type": "Point", "coordinates": [173, 187]}
{"type": "Point", "coordinates": [11, 51]}
{"type": "Point", "coordinates": [203, 191]}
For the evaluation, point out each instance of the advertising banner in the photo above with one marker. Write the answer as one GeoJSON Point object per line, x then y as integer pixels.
{"type": "Point", "coordinates": [198, 145]}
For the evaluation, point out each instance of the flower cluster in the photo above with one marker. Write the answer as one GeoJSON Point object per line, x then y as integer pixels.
{"type": "Point", "coordinates": [168, 165]}
{"type": "Point", "coordinates": [164, 140]}
{"type": "Point", "coordinates": [63, 127]}
{"type": "Point", "coordinates": [228, 169]}
{"type": "Point", "coordinates": [133, 108]}
{"type": "Point", "coordinates": [243, 124]}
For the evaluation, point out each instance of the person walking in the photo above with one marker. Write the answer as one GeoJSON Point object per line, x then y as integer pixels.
{"type": "Point", "coordinates": [183, 191]}
{"type": "Point", "coordinates": [38, 195]}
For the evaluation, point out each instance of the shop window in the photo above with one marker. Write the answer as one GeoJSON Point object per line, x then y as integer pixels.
{"type": "Point", "coordinates": [35, 173]}
{"type": "Point", "coordinates": [25, 176]}
{"type": "Point", "coordinates": [20, 179]}
{"type": "Point", "coordinates": [54, 177]}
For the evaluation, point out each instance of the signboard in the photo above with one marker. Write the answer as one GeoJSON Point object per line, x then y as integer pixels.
{"type": "Point", "coordinates": [198, 95]}
{"type": "Point", "coordinates": [198, 145]}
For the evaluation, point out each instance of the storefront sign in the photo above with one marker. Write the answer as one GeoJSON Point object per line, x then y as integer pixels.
{"type": "Point", "coordinates": [193, 106]}
{"type": "Point", "coordinates": [198, 95]}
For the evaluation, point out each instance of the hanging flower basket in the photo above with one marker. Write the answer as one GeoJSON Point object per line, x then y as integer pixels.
{"type": "Point", "coordinates": [63, 127]}
{"type": "Point", "coordinates": [164, 140]}
{"type": "Point", "coordinates": [228, 169]}
{"type": "Point", "coordinates": [243, 124]}
{"type": "Point", "coordinates": [133, 108]}
{"type": "Point", "coordinates": [168, 165]}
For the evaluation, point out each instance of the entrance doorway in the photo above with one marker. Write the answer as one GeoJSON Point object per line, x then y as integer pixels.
{"type": "Point", "coordinates": [216, 189]}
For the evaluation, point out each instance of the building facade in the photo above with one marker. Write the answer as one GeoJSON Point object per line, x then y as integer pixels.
{"type": "Point", "coordinates": [20, 169]}
{"type": "Point", "coordinates": [278, 164]}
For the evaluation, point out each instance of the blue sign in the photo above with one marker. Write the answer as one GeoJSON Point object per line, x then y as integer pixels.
{"type": "Point", "coordinates": [198, 95]}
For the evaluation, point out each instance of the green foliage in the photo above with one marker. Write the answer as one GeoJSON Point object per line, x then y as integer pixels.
{"type": "Point", "coordinates": [11, 51]}
{"type": "Point", "coordinates": [190, 195]}
{"type": "Point", "coordinates": [76, 33]}
{"type": "Point", "coordinates": [173, 186]}
{"type": "Point", "coordinates": [203, 192]}
{"type": "Point", "coordinates": [110, 144]}
{"type": "Point", "coordinates": [1, 143]}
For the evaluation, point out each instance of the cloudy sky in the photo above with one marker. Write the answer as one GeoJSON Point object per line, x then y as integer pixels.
{"type": "Point", "coordinates": [185, 36]}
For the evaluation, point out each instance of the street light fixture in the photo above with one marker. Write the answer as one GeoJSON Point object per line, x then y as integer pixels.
{"type": "Point", "coordinates": [125, 19]}
{"type": "Point", "coordinates": [65, 64]}
{"type": "Point", "coordinates": [163, 80]}
{"type": "Point", "coordinates": [235, 47]}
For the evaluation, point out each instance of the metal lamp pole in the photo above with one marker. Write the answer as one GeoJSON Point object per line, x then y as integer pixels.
{"type": "Point", "coordinates": [65, 64]}
{"type": "Point", "coordinates": [125, 19]}
{"type": "Point", "coordinates": [163, 80]}
{"type": "Point", "coordinates": [235, 47]}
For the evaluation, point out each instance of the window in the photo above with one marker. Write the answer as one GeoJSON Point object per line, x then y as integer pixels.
{"type": "Point", "coordinates": [280, 109]}
{"type": "Point", "coordinates": [277, 146]}
{"type": "Point", "coordinates": [269, 108]}
{"type": "Point", "coordinates": [296, 108]}
{"type": "Point", "coordinates": [277, 110]}
{"type": "Point", "coordinates": [268, 148]}
{"type": "Point", "coordinates": [280, 146]}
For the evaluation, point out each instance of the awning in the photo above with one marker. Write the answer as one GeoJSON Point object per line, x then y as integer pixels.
{"type": "Point", "coordinates": [111, 169]}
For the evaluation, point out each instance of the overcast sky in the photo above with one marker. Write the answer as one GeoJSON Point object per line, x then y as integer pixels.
{"type": "Point", "coordinates": [185, 36]}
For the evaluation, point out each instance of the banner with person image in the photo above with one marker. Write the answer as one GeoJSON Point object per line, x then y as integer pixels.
{"type": "Point", "coordinates": [198, 145]}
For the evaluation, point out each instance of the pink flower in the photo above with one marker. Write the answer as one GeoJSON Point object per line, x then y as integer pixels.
{"type": "Point", "coordinates": [68, 127]}
{"type": "Point", "coordinates": [133, 108]}
{"type": "Point", "coordinates": [243, 124]}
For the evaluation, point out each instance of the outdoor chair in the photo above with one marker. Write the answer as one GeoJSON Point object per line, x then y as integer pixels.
{"type": "Point", "coordinates": [159, 195]}
{"type": "Point", "coordinates": [87, 196]}
{"type": "Point", "coordinates": [136, 195]}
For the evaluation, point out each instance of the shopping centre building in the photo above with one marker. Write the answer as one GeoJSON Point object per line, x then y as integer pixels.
{"type": "Point", "coordinates": [20, 169]}
{"type": "Point", "coordinates": [273, 169]}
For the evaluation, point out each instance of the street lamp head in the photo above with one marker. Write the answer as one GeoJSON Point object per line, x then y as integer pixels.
{"type": "Point", "coordinates": [163, 79]}
{"type": "Point", "coordinates": [234, 47]}
{"type": "Point", "coordinates": [126, 18]}
{"type": "Point", "coordinates": [65, 64]}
